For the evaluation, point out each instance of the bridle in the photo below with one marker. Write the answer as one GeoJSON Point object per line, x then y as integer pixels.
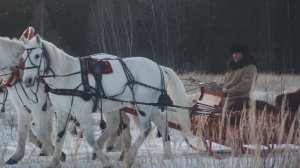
{"type": "Point", "coordinates": [44, 58]}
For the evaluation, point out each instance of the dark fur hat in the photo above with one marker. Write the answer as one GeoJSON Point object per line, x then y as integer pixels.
{"type": "Point", "coordinates": [242, 48]}
{"type": "Point", "coordinates": [245, 60]}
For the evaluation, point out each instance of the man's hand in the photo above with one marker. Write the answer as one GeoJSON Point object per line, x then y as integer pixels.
{"type": "Point", "coordinates": [212, 85]}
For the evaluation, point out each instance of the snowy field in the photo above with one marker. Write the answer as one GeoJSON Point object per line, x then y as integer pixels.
{"type": "Point", "coordinates": [79, 153]}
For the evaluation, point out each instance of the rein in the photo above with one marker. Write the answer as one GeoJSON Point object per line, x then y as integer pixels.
{"type": "Point", "coordinates": [79, 93]}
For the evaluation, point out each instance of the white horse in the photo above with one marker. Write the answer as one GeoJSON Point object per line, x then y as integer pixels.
{"type": "Point", "coordinates": [137, 80]}
{"type": "Point", "coordinates": [24, 98]}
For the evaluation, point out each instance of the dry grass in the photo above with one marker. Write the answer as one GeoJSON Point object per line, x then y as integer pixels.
{"type": "Point", "coordinates": [262, 131]}
{"type": "Point", "coordinates": [258, 131]}
{"type": "Point", "coordinates": [265, 82]}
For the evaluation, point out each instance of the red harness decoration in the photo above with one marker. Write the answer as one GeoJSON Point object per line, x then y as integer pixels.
{"type": "Point", "coordinates": [105, 67]}
{"type": "Point", "coordinates": [17, 71]}
{"type": "Point", "coordinates": [14, 77]}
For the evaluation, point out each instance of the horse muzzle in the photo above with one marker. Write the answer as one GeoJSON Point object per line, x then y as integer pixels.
{"type": "Point", "coordinates": [29, 82]}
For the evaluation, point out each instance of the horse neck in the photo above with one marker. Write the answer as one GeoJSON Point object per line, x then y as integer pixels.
{"type": "Point", "coordinates": [11, 51]}
{"type": "Point", "coordinates": [61, 63]}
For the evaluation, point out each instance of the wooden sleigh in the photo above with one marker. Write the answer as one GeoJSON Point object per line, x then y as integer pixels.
{"type": "Point", "coordinates": [262, 125]}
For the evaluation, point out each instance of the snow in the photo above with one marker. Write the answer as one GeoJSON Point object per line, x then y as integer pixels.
{"type": "Point", "coordinates": [79, 153]}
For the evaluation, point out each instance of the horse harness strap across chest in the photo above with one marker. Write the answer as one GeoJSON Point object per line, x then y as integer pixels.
{"type": "Point", "coordinates": [97, 68]}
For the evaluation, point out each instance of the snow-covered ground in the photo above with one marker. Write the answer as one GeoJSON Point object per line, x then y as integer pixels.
{"type": "Point", "coordinates": [79, 153]}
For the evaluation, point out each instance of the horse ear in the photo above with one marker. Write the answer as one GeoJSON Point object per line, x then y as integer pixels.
{"type": "Point", "coordinates": [38, 39]}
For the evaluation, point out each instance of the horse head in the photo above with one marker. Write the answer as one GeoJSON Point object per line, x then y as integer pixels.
{"type": "Point", "coordinates": [35, 63]}
{"type": "Point", "coordinates": [10, 53]}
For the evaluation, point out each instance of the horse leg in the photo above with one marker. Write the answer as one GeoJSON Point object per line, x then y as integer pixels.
{"type": "Point", "coordinates": [120, 139]}
{"type": "Point", "coordinates": [62, 123]}
{"type": "Point", "coordinates": [125, 138]}
{"type": "Point", "coordinates": [76, 127]}
{"type": "Point", "coordinates": [86, 125]}
{"type": "Point", "coordinates": [34, 139]}
{"type": "Point", "coordinates": [23, 128]}
{"type": "Point", "coordinates": [161, 123]}
{"type": "Point", "coordinates": [113, 143]}
{"type": "Point", "coordinates": [144, 132]}
{"type": "Point", "coordinates": [111, 130]}
{"type": "Point", "coordinates": [43, 128]}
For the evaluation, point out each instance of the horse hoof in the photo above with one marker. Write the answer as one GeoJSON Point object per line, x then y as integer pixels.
{"type": "Point", "coordinates": [42, 154]}
{"type": "Point", "coordinates": [109, 149]}
{"type": "Point", "coordinates": [94, 156]}
{"type": "Point", "coordinates": [63, 157]}
{"type": "Point", "coordinates": [11, 162]}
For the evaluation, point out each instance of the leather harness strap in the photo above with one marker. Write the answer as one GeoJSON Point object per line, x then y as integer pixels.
{"type": "Point", "coordinates": [88, 66]}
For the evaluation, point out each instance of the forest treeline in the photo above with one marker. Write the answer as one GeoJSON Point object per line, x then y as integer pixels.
{"type": "Point", "coordinates": [188, 35]}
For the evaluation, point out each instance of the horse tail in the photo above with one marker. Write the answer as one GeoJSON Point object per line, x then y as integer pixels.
{"type": "Point", "coordinates": [178, 95]}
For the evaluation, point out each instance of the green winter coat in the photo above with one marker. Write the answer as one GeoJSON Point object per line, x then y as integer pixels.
{"type": "Point", "coordinates": [239, 84]}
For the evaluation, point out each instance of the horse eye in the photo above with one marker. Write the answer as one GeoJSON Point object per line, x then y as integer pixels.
{"type": "Point", "coordinates": [37, 56]}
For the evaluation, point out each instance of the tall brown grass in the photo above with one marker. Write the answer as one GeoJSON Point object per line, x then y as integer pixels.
{"type": "Point", "coordinates": [267, 139]}
{"type": "Point", "coordinates": [255, 134]}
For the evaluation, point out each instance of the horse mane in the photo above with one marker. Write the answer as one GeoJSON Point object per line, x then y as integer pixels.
{"type": "Point", "coordinates": [11, 50]}
{"type": "Point", "coordinates": [58, 56]}
{"type": "Point", "coordinates": [290, 101]}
